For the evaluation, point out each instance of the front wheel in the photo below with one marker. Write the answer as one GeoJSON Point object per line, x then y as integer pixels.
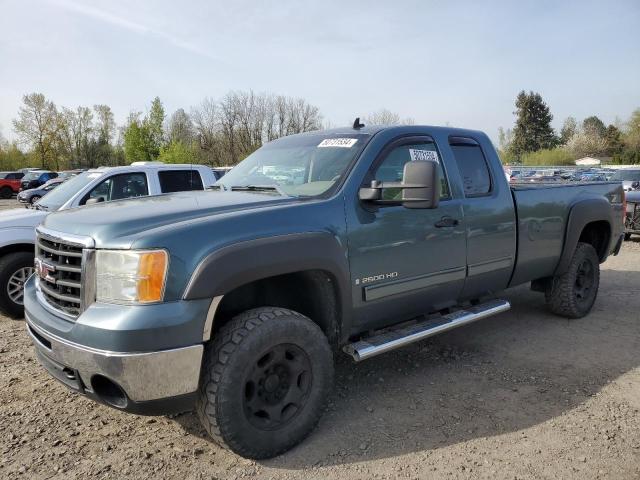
{"type": "Point", "coordinates": [34, 199]}
{"type": "Point", "coordinates": [15, 268]}
{"type": "Point", "coordinates": [265, 378]}
{"type": "Point", "coordinates": [573, 293]}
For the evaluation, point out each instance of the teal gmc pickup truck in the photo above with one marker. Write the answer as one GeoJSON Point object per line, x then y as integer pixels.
{"type": "Point", "coordinates": [359, 240]}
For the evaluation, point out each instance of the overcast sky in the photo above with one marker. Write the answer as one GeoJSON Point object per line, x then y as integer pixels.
{"type": "Point", "coordinates": [456, 62]}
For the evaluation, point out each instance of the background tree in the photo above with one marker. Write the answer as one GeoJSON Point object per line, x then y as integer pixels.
{"type": "Point", "coordinates": [583, 144]}
{"type": "Point", "coordinates": [154, 125]}
{"type": "Point", "coordinates": [386, 117]}
{"type": "Point", "coordinates": [37, 125]}
{"type": "Point", "coordinates": [568, 130]}
{"type": "Point", "coordinates": [136, 140]}
{"type": "Point", "coordinates": [180, 128]}
{"type": "Point", "coordinates": [104, 131]}
{"type": "Point", "coordinates": [178, 152]}
{"type": "Point", "coordinates": [533, 130]}
{"type": "Point", "coordinates": [594, 127]}
{"type": "Point", "coordinates": [144, 137]}
{"type": "Point", "coordinates": [613, 139]}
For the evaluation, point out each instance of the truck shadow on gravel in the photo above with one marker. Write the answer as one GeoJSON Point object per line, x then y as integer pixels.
{"type": "Point", "coordinates": [500, 375]}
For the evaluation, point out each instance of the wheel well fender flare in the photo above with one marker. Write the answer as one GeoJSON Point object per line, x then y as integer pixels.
{"type": "Point", "coordinates": [581, 214]}
{"type": "Point", "coordinates": [244, 262]}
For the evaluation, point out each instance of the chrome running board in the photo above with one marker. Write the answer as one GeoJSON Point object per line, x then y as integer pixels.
{"type": "Point", "coordinates": [392, 339]}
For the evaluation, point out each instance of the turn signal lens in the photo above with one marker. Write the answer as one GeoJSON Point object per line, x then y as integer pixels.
{"type": "Point", "coordinates": [151, 273]}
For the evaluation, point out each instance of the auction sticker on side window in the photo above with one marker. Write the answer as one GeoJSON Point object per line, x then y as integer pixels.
{"type": "Point", "coordinates": [423, 155]}
{"type": "Point", "coordinates": [338, 142]}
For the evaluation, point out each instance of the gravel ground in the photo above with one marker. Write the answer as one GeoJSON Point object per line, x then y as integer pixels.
{"type": "Point", "coordinates": [521, 395]}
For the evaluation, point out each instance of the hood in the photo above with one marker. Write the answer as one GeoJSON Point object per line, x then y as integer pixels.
{"type": "Point", "coordinates": [21, 217]}
{"type": "Point", "coordinates": [127, 218]}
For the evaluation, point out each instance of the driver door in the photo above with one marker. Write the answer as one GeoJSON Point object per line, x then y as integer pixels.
{"type": "Point", "coordinates": [405, 262]}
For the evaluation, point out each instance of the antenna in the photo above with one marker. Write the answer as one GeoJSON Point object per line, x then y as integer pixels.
{"type": "Point", "coordinates": [357, 124]}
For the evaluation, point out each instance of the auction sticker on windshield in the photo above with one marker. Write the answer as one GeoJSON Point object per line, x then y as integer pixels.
{"type": "Point", "coordinates": [338, 142]}
{"type": "Point", "coordinates": [423, 155]}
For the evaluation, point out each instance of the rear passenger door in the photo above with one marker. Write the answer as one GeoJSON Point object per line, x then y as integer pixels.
{"type": "Point", "coordinates": [490, 218]}
{"type": "Point", "coordinates": [179, 180]}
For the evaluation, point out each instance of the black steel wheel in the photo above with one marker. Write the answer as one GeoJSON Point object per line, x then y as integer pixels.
{"type": "Point", "coordinates": [265, 377]}
{"type": "Point", "coordinates": [573, 293]}
{"type": "Point", "coordinates": [278, 386]}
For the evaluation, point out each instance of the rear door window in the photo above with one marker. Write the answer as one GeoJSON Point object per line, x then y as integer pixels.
{"type": "Point", "coordinates": [473, 167]}
{"type": "Point", "coordinates": [179, 180]}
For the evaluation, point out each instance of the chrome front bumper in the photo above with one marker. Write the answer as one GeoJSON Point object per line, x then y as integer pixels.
{"type": "Point", "coordinates": [144, 377]}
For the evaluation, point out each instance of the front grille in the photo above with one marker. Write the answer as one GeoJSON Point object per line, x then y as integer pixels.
{"type": "Point", "coordinates": [59, 269]}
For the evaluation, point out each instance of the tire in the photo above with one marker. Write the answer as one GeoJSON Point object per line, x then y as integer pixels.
{"type": "Point", "coordinates": [627, 237]}
{"type": "Point", "coordinates": [34, 199]}
{"type": "Point", "coordinates": [14, 268]}
{"type": "Point", "coordinates": [265, 379]}
{"type": "Point", "coordinates": [6, 192]}
{"type": "Point", "coordinates": [573, 293]}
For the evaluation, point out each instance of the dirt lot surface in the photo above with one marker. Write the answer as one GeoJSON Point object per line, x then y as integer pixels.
{"type": "Point", "coordinates": [521, 395]}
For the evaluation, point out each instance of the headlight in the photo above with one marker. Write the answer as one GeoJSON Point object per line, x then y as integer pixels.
{"type": "Point", "coordinates": [130, 276]}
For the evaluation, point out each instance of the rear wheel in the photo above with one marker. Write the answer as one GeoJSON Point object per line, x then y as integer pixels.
{"type": "Point", "coordinates": [573, 293]}
{"type": "Point", "coordinates": [627, 237]}
{"type": "Point", "coordinates": [15, 269]}
{"type": "Point", "coordinates": [265, 378]}
{"type": "Point", "coordinates": [6, 192]}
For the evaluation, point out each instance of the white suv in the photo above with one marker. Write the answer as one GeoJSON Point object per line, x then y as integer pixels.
{"type": "Point", "coordinates": [104, 184]}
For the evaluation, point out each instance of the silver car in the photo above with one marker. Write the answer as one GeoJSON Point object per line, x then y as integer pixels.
{"type": "Point", "coordinates": [32, 195]}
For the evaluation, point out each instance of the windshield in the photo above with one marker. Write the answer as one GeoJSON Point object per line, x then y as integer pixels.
{"type": "Point", "coordinates": [58, 197]}
{"type": "Point", "coordinates": [626, 176]}
{"type": "Point", "coordinates": [299, 165]}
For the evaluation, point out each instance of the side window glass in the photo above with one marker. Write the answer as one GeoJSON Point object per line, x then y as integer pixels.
{"type": "Point", "coordinates": [118, 187]}
{"type": "Point", "coordinates": [392, 168]}
{"type": "Point", "coordinates": [473, 168]}
{"type": "Point", "coordinates": [179, 180]}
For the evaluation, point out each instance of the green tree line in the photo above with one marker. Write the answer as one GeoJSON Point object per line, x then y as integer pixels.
{"type": "Point", "coordinates": [533, 141]}
{"type": "Point", "coordinates": [215, 132]}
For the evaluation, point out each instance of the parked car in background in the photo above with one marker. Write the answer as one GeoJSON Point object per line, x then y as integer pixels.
{"type": "Point", "coordinates": [66, 174]}
{"type": "Point", "coordinates": [632, 218]}
{"type": "Point", "coordinates": [627, 176]}
{"type": "Point", "coordinates": [10, 184]}
{"type": "Point", "coordinates": [36, 178]}
{"type": "Point", "coordinates": [32, 195]}
{"type": "Point", "coordinates": [17, 226]}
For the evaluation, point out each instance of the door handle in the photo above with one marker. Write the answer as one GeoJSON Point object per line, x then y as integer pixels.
{"type": "Point", "coordinates": [446, 222]}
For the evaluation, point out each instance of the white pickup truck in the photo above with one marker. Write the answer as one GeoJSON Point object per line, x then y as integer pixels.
{"type": "Point", "coordinates": [17, 227]}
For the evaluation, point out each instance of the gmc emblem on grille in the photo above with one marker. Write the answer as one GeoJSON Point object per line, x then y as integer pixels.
{"type": "Point", "coordinates": [44, 270]}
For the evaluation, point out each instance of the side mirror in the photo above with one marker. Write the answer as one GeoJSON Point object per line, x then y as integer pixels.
{"type": "Point", "coordinates": [421, 184]}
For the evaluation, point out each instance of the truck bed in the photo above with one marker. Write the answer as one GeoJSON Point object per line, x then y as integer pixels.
{"type": "Point", "coordinates": [542, 212]}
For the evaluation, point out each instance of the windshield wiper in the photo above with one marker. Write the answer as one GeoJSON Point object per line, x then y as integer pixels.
{"type": "Point", "coordinates": [257, 188]}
